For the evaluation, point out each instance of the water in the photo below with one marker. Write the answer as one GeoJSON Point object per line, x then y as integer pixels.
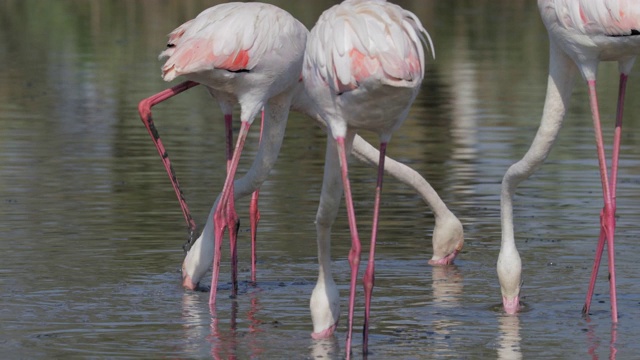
{"type": "Point", "coordinates": [90, 231]}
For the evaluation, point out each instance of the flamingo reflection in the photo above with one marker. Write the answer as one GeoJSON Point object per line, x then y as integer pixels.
{"type": "Point", "coordinates": [509, 341]}
{"type": "Point", "coordinates": [223, 341]}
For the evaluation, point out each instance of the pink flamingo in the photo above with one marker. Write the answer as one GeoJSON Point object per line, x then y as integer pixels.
{"type": "Point", "coordinates": [581, 34]}
{"type": "Point", "coordinates": [236, 52]}
{"type": "Point", "coordinates": [447, 238]}
{"type": "Point", "coordinates": [363, 66]}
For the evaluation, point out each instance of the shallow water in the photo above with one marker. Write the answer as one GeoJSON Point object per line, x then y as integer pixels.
{"type": "Point", "coordinates": [90, 230]}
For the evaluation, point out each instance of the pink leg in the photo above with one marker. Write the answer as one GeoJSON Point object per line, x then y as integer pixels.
{"type": "Point", "coordinates": [369, 275]}
{"type": "Point", "coordinates": [233, 224]}
{"type": "Point", "coordinates": [596, 266]}
{"type": "Point", "coordinates": [144, 109]}
{"type": "Point", "coordinates": [225, 211]}
{"type": "Point", "coordinates": [254, 217]}
{"type": "Point", "coordinates": [608, 218]}
{"type": "Point", "coordinates": [617, 138]}
{"type": "Point", "coordinates": [354, 254]}
{"type": "Point", "coordinates": [614, 180]}
{"type": "Point", "coordinates": [228, 128]}
{"type": "Point", "coordinates": [232, 220]}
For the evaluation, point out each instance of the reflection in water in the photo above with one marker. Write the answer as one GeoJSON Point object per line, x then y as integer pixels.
{"type": "Point", "coordinates": [447, 289]}
{"type": "Point", "coordinates": [255, 349]}
{"type": "Point", "coordinates": [594, 341]}
{"type": "Point", "coordinates": [193, 317]}
{"type": "Point", "coordinates": [509, 341]}
{"type": "Point", "coordinates": [447, 285]}
{"type": "Point", "coordinates": [325, 348]}
{"type": "Point", "coordinates": [223, 342]}
{"type": "Point", "coordinates": [464, 110]}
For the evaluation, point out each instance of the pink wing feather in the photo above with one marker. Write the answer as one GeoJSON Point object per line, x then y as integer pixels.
{"type": "Point", "coordinates": [382, 42]}
{"type": "Point", "coordinates": [593, 17]}
{"type": "Point", "coordinates": [231, 36]}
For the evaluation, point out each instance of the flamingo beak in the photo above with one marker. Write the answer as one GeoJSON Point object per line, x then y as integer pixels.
{"type": "Point", "coordinates": [187, 283]}
{"type": "Point", "coordinates": [511, 306]}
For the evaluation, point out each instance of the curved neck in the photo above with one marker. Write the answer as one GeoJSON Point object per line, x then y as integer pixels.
{"type": "Point", "coordinates": [562, 74]}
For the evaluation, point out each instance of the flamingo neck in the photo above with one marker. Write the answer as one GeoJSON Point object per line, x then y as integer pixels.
{"type": "Point", "coordinates": [562, 74]}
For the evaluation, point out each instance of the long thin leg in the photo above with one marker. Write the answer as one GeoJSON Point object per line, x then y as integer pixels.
{"type": "Point", "coordinates": [369, 275]}
{"type": "Point", "coordinates": [254, 217]}
{"type": "Point", "coordinates": [144, 109]}
{"type": "Point", "coordinates": [614, 180]}
{"type": "Point", "coordinates": [231, 221]}
{"type": "Point", "coordinates": [608, 219]}
{"type": "Point", "coordinates": [617, 136]}
{"type": "Point", "coordinates": [233, 225]}
{"type": "Point", "coordinates": [228, 130]}
{"type": "Point", "coordinates": [356, 248]}
{"type": "Point", "coordinates": [596, 265]}
{"type": "Point", "coordinates": [225, 210]}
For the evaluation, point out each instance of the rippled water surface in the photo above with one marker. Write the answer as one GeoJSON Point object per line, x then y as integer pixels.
{"type": "Point", "coordinates": [91, 232]}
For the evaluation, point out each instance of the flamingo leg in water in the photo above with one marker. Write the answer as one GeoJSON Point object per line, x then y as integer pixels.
{"type": "Point", "coordinates": [354, 253]}
{"type": "Point", "coordinates": [596, 266]}
{"type": "Point", "coordinates": [232, 222]}
{"type": "Point", "coordinates": [225, 211]}
{"type": "Point", "coordinates": [608, 214]}
{"type": "Point", "coordinates": [608, 219]}
{"type": "Point", "coordinates": [369, 275]}
{"type": "Point", "coordinates": [254, 216]}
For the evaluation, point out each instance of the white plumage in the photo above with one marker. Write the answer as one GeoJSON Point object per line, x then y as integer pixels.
{"type": "Point", "coordinates": [364, 64]}
{"type": "Point", "coordinates": [581, 34]}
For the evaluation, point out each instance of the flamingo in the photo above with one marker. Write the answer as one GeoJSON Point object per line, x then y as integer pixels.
{"type": "Point", "coordinates": [235, 50]}
{"type": "Point", "coordinates": [363, 66]}
{"type": "Point", "coordinates": [447, 237]}
{"type": "Point", "coordinates": [581, 34]}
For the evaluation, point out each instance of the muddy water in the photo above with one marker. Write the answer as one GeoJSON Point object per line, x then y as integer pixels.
{"type": "Point", "coordinates": [90, 231]}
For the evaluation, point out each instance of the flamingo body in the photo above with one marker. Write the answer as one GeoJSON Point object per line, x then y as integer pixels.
{"type": "Point", "coordinates": [593, 31]}
{"type": "Point", "coordinates": [246, 53]}
{"type": "Point", "coordinates": [581, 34]}
{"type": "Point", "coordinates": [243, 52]}
{"type": "Point", "coordinates": [362, 52]}
{"type": "Point", "coordinates": [363, 66]}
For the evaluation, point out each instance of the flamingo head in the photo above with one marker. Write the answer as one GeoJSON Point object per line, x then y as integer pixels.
{"type": "Point", "coordinates": [511, 305]}
{"type": "Point", "coordinates": [448, 239]}
{"type": "Point", "coordinates": [509, 274]}
{"type": "Point", "coordinates": [325, 308]}
{"type": "Point", "coordinates": [196, 263]}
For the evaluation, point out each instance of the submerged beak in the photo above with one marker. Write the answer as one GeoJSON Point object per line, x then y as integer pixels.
{"type": "Point", "coordinates": [511, 306]}
{"type": "Point", "coordinates": [187, 283]}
